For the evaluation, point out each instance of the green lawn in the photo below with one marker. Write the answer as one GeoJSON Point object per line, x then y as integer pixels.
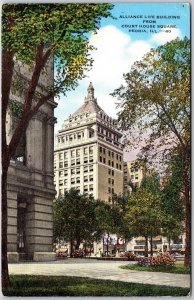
{"type": "Point", "coordinates": [177, 268]}
{"type": "Point", "coordinates": [76, 286]}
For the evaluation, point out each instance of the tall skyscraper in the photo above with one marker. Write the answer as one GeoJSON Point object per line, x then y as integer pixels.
{"type": "Point", "coordinates": [88, 152]}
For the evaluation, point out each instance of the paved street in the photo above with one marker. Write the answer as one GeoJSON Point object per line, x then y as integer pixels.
{"type": "Point", "coordinates": [100, 270]}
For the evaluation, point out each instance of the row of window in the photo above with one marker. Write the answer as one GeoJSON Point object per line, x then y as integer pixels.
{"type": "Point", "coordinates": [110, 153]}
{"type": "Point", "coordinates": [87, 188]}
{"type": "Point", "coordinates": [108, 134]}
{"type": "Point", "coordinates": [71, 137]}
{"type": "Point", "coordinates": [73, 171]}
{"type": "Point", "coordinates": [76, 153]}
{"type": "Point", "coordinates": [111, 163]}
{"type": "Point", "coordinates": [107, 118]}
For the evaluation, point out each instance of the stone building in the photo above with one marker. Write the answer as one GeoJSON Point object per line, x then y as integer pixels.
{"type": "Point", "coordinates": [131, 174]}
{"type": "Point", "coordinates": [88, 153]}
{"type": "Point", "coordinates": [30, 176]}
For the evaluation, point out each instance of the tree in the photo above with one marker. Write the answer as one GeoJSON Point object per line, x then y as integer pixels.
{"type": "Point", "coordinates": [172, 202]}
{"type": "Point", "coordinates": [109, 220]}
{"type": "Point", "coordinates": [74, 218]}
{"type": "Point", "coordinates": [33, 34]}
{"type": "Point", "coordinates": [143, 215]}
{"type": "Point", "coordinates": [155, 108]}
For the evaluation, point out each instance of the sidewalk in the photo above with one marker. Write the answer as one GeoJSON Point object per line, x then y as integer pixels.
{"type": "Point", "coordinates": [107, 270]}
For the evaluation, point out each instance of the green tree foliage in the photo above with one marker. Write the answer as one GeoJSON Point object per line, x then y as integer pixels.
{"type": "Point", "coordinates": [172, 201]}
{"type": "Point", "coordinates": [143, 214]}
{"type": "Point", "coordinates": [74, 218]}
{"type": "Point", "coordinates": [34, 34]}
{"type": "Point", "coordinates": [155, 107]}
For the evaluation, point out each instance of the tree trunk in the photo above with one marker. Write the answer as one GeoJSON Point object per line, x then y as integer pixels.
{"type": "Point", "coordinates": [5, 274]}
{"type": "Point", "coordinates": [146, 246]}
{"type": "Point", "coordinates": [7, 72]}
{"type": "Point", "coordinates": [187, 260]}
{"type": "Point", "coordinates": [151, 244]}
{"type": "Point", "coordinates": [107, 245]}
{"type": "Point", "coordinates": [71, 248]}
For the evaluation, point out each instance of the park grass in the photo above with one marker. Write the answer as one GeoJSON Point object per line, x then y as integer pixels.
{"type": "Point", "coordinates": [178, 268]}
{"type": "Point", "coordinates": [25, 285]}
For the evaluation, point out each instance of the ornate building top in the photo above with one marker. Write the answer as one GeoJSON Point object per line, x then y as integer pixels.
{"type": "Point", "coordinates": [90, 103]}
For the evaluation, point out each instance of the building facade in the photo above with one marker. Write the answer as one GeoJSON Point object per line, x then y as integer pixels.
{"type": "Point", "coordinates": [132, 174]}
{"type": "Point", "coordinates": [30, 188]}
{"type": "Point", "coordinates": [88, 153]}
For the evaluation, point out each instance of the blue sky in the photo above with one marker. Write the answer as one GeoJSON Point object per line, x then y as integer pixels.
{"type": "Point", "coordinates": [119, 44]}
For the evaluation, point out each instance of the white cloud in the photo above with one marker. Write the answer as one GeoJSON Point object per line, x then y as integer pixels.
{"type": "Point", "coordinates": [115, 54]}
{"type": "Point", "coordinates": [164, 36]}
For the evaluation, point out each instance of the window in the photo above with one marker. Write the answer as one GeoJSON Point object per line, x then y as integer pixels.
{"type": "Point", "coordinates": [78, 180]}
{"type": "Point", "coordinates": [117, 165]}
{"type": "Point", "coordinates": [72, 171]}
{"type": "Point", "coordinates": [60, 174]}
{"type": "Point", "coordinates": [78, 171]}
{"type": "Point", "coordinates": [100, 149]}
{"type": "Point", "coordinates": [132, 176]}
{"type": "Point", "coordinates": [120, 167]}
{"type": "Point", "coordinates": [91, 168]}
{"type": "Point", "coordinates": [60, 192]}
{"type": "Point", "coordinates": [60, 165]}
{"type": "Point", "coordinates": [113, 164]}
{"type": "Point", "coordinates": [109, 190]}
{"type": "Point", "coordinates": [104, 160]}
{"type": "Point", "coordinates": [120, 157]}
{"type": "Point", "coordinates": [78, 152]}
{"type": "Point", "coordinates": [79, 136]}
{"type": "Point", "coordinates": [109, 180]}
{"type": "Point", "coordinates": [85, 150]}
{"type": "Point", "coordinates": [60, 182]}
{"type": "Point", "coordinates": [136, 176]}
{"type": "Point", "coordinates": [85, 188]}
{"type": "Point", "coordinates": [60, 156]}
{"type": "Point", "coordinates": [91, 150]}
{"type": "Point", "coordinates": [112, 181]}
{"type": "Point", "coordinates": [85, 160]}
{"type": "Point", "coordinates": [112, 173]}
{"type": "Point", "coordinates": [117, 157]}
{"type": "Point", "coordinates": [112, 190]}
{"type": "Point", "coordinates": [85, 169]}
{"type": "Point", "coordinates": [104, 150]}
{"type": "Point", "coordinates": [72, 180]}
{"type": "Point", "coordinates": [91, 159]}
{"type": "Point", "coordinates": [78, 161]}
{"type": "Point", "coordinates": [109, 162]}
{"type": "Point", "coordinates": [109, 171]}
{"type": "Point", "coordinates": [65, 181]}
{"type": "Point", "coordinates": [91, 134]}
{"type": "Point", "coordinates": [72, 153]}
{"type": "Point", "coordinates": [100, 158]}
{"type": "Point", "coordinates": [85, 178]}
{"type": "Point", "coordinates": [71, 138]}
{"type": "Point", "coordinates": [66, 163]}
{"type": "Point", "coordinates": [109, 152]}
{"type": "Point", "coordinates": [112, 154]}
{"type": "Point", "coordinates": [91, 177]}
{"type": "Point", "coordinates": [73, 162]}
{"type": "Point", "coordinates": [91, 188]}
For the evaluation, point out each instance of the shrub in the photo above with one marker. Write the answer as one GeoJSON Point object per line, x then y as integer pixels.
{"type": "Point", "coordinates": [130, 256]}
{"type": "Point", "coordinates": [144, 261]}
{"type": "Point", "coordinates": [163, 259]}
